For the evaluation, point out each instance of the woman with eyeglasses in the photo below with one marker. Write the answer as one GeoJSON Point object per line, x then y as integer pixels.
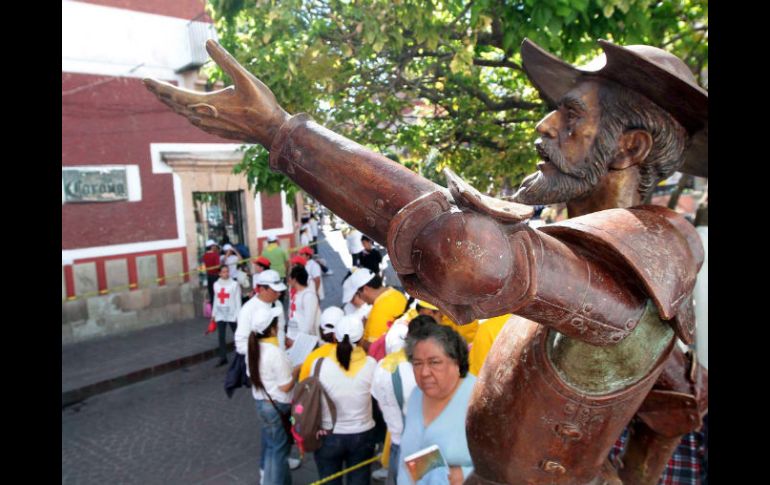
{"type": "Point", "coordinates": [437, 407]}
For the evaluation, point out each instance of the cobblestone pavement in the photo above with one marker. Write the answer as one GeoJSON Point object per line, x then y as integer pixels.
{"type": "Point", "coordinates": [176, 428]}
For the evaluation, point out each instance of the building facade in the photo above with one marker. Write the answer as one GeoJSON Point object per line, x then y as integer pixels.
{"type": "Point", "coordinates": [142, 189]}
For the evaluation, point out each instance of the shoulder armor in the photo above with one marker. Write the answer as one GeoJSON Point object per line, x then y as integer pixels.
{"type": "Point", "coordinates": [655, 244]}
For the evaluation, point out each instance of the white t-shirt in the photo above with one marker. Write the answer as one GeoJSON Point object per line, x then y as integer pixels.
{"type": "Point", "coordinates": [275, 371]}
{"type": "Point", "coordinates": [244, 327]}
{"type": "Point", "coordinates": [307, 313]}
{"type": "Point", "coordinates": [227, 300]}
{"type": "Point", "coordinates": [361, 311]}
{"type": "Point", "coordinates": [314, 271]}
{"type": "Point", "coordinates": [351, 396]}
{"type": "Point", "coordinates": [354, 242]}
{"type": "Point", "coordinates": [383, 392]}
{"type": "Point", "coordinates": [313, 227]}
{"type": "Point", "coordinates": [232, 263]}
{"type": "Point", "coordinates": [304, 235]}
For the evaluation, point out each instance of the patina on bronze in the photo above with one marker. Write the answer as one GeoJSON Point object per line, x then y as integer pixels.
{"type": "Point", "coordinates": [600, 298]}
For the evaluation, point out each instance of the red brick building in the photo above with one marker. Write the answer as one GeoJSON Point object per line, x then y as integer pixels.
{"type": "Point", "coordinates": [142, 189]}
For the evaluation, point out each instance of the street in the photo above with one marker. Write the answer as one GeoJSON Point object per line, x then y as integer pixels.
{"type": "Point", "coordinates": [176, 428]}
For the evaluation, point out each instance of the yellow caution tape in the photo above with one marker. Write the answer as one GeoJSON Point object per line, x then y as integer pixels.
{"type": "Point", "coordinates": [347, 470]}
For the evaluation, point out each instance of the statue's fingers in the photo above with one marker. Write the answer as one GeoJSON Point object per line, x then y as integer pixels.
{"type": "Point", "coordinates": [243, 80]}
{"type": "Point", "coordinates": [168, 92]}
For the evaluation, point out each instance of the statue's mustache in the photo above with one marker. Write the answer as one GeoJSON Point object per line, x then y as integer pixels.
{"type": "Point", "coordinates": [550, 153]}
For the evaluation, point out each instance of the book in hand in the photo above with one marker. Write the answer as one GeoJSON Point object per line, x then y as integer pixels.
{"type": "Point", "coordinates": [422, 462]}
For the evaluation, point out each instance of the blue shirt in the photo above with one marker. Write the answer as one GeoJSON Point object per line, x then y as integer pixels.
{"type": "Point", "coordinates": [447, 431]}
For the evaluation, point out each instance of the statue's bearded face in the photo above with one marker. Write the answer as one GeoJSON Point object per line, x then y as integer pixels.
{"type": "Point", "coordinates": [573, 150]}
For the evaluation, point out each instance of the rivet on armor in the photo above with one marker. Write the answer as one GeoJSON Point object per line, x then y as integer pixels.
{"type": "Point", "coordinates": [379, 204]}
{"type": "Point", "coordinates": [578, 322]}
{"type": "Point", "coordinates": [553, 467]}
{"type": "Point", "coordinates": [569, 430]}
{"type": "Point", "coordinates": [371, 221]}
{"type": "Point", "coordinates": [630, 323]}
{"type": "Point", "coordinates": [588, 307]}
{"type": "Point", "coordinates": [296, 155]}
{"type": "Point", "coordinates": [570, 408]}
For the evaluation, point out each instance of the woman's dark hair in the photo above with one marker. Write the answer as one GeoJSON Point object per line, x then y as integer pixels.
{"type": "Point", "coordinates": [299, 273]}
{"type": "Point", "coordinates": [419, 321]}
{"type": "Point", "coordinates": [344, 351]}
{"type": "Point", "coordinates": [375, 282]}
{"type": "Point", "coordinates": [424, 327]}
{"type": "Point", "coordinates": [253, 353]}
{"type": "Point", "coordinates": [366, 238]}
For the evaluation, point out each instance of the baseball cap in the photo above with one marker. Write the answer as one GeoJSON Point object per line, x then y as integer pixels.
{"type": "Point", "coordinates": [297, 260]}
{"type": "Point", "coordinates": [349, 325]}
{"type": "Point", "coordinates": [306, 250]}
{"type": "Point", "coordinates": [351, 285]}
{"type": "Point", "coordinates": [227, 247]}
{"type": "Point", "coordinates": [210, 243]}
{"type": "Point", "coordinates": [270, 278]}
{"type": "Point", "coordinates": [329, 319]}
{"type": "Point", "coordinates": [262, 318]}
{"type": "Point", "coordinates": [263, 261]}
{"type": "Point", "coordinates": [272, 238]}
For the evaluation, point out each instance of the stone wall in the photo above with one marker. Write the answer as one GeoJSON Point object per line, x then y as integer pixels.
{"type": "Point", "coordinates": [117, 313]}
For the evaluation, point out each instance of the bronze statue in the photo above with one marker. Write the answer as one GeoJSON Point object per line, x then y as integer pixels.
{"type": "Point", "coordinates": [601, 298]}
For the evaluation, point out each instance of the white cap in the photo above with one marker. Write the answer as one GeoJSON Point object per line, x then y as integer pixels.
{"type": "Point", "coordinates": [263, 317]}
{"type": "Point", "coordinates": [359, 278]}
{"type": "Point", "coordinates": [271, 238]}
{"type": "Point", "coordinates": [349, 325]}
{"type": "Point", "coordinates": [271, 278]}
{"type": "Point", "coordinates": [395, 339]}
{"type": "Point", "coordinates": [329, 318]}
{"type": "Point", "coordinates": [210, 243]}
{"type": "Point", "coordinates": [227, 247]}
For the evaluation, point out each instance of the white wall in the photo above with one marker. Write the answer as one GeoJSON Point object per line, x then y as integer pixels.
{"type": "Point", "coordinates": [111, 41]}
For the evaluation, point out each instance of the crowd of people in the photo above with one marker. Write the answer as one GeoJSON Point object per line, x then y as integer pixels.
{"type": "Point", "coordinates": [398, 373]}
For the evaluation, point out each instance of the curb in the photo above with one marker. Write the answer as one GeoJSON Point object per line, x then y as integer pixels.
{"type": "Point", "coordinates": [74, 396]}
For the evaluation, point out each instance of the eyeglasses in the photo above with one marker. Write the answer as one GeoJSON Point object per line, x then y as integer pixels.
{"type": "Point", "coordinates": [433, 364]}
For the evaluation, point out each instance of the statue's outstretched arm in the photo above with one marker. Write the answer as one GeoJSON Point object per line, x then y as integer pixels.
{"type": "Point", "coordinates": [246, 111]}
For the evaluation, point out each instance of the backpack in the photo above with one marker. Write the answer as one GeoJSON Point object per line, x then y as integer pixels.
{"type": "Point", "coordinates": [307, 411]}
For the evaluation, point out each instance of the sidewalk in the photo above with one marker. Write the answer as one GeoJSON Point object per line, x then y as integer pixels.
{"type": "Point", "coordinates": [107, 363]}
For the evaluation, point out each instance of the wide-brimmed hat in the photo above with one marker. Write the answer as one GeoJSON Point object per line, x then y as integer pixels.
{"type": "Point", "coordinates": [654, 73]}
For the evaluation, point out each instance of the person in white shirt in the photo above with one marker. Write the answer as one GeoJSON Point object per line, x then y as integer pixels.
{"type": "Point", "coordinates": [355, 247]}
{"type": "Point", "coordinates": [314, 271]}
{"type": "Point", "coordinates": [346, 375]}
{"type": "Point", "coordinates": [227, 305]}
{"type": "Point", "coordinates": [393, 383]}
{"type": "Point", "coordinates": [352, 303]}
{"type": "Point", "coordinates": [269, 286]}
{"type": "Point", "coordinates": [313, 222]}
{"type": "Point", "coordinates": [270, 372]}
{"type": "Point", "coordinates": [305, 310]}
{"type": "Point", "coordinates": [231, 258]}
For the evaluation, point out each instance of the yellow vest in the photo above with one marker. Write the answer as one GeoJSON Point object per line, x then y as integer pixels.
{"type": "Point", "coordinates": [485, 337]}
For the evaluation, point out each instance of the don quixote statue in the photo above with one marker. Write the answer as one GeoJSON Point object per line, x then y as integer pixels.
{"type": "Point", "coordinates": [603, 300]}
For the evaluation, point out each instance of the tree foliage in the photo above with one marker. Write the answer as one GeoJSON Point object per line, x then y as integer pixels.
{"type": "Point", "coordinates": [439, 83]}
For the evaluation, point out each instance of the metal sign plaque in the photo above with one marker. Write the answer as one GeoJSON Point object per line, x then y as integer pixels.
{"type": "Point", "coordinates": [94, 185]}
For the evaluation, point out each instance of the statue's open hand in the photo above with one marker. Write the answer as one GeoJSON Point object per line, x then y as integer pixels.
{"type": "Point", "coordinates": [246, 111]}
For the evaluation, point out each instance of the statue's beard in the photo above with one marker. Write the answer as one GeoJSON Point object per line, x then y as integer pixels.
{"type": "Point", "coordinates": [564, 182]}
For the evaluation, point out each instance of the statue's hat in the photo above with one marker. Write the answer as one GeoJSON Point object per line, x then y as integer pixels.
{"type": "Point", "coordinates": [654, 73]}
